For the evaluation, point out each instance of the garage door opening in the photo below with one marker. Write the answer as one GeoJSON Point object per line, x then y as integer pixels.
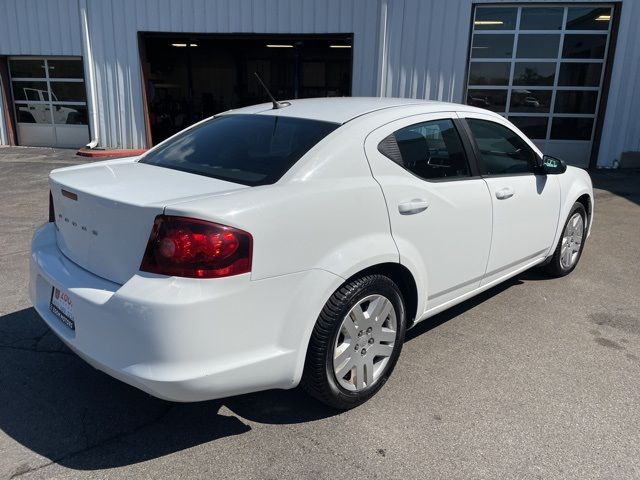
{"type": "Point", "coordinates": [191, 77]}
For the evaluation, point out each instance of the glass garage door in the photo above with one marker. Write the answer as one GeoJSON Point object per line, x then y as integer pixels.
{"type": "Point", "coordinates": [543, 68]}
{"type": "Point", "coordinates": [50, 101]}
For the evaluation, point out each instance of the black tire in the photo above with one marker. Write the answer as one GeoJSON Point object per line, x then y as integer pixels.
{"type": "Point", "coordinates": [554, 267]}
{"type": "Point", "coordinates": [318, 378]}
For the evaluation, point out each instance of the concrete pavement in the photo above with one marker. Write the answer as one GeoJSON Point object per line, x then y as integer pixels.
{"type": "Point", "coordinates": [534, 379]}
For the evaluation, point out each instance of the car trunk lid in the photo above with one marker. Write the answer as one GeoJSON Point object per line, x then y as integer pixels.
{"type": "Point", "coordinates": [104, 212]}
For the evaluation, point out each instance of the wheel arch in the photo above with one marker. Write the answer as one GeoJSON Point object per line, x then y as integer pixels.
{"type": "Point", "coordinates": [587, 202]}
{"type": "Point", "coordinates": [403, 278]}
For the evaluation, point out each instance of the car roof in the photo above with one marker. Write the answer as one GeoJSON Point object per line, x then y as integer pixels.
{"type": "Point", "coordinates": [340, 109]}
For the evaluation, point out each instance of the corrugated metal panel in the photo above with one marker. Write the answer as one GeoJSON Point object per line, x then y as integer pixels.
{"type": "Point", "coordinates": [36, 27]}
{"type": "Point", "coordinates": [621, 130]}
{"type": "Point", "coordinates": [426, 48]}
{"type": "Point", "coordinates": [113, 26]}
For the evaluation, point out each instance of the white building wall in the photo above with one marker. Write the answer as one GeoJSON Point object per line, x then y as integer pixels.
{"type": "Point", "coordinates": [405, 48]}
{"type": "Point", "coordinates": [113, 27]}
{"type": "Point", "coordinates": [621, 129]}
{"type": "Point", "coordinates": [39, 27]}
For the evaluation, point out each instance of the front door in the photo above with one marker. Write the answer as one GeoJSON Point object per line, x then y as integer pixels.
{"type": "Point", "coordinates": [439, 209]}
{"type": "Point", "coordinates": [525, 204]}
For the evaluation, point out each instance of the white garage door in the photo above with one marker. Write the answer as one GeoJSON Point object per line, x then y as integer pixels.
{"type": "Point", "coordinates": [50, 101]}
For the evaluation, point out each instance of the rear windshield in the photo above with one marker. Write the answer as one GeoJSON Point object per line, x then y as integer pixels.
{"type": "Point", "coordinates": [247, 149]}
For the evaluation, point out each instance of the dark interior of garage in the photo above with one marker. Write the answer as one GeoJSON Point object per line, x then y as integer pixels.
{"type": "Point", "coordinates": [188, 78]}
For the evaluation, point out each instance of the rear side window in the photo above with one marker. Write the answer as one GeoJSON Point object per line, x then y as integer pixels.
{"type": "Point", "coordinates": [502, 151]}
{"type": "Point", "coordinates": [430, 150]}
{"type": "Point", "coordinates": [247, 149]}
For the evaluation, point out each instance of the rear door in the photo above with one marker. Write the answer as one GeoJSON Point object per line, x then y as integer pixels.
{"type": "Point", "coordinates": [525, 204]}
{"type": "Point", "coordinates": [439, 208]}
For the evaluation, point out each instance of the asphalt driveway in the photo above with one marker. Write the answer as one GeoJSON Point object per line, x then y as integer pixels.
{"type": "Point", "coordinates": [534, 379]}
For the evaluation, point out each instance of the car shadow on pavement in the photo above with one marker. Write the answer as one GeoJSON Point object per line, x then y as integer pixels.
{"type": "Point", "coordinates": [56, 405]}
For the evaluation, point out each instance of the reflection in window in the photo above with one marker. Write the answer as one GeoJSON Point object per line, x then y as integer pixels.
{"type": "Point", "coordinates": [584, 46]}
{"type": "Point", "coordinates": [492, 46]}
{"type": "Point", "coordinates": [65, 69]}
{"type": "Point", "coordinates": [576, 101]}
{"type": "Point", "coordinates": [532, 101]}
{"type": "Point", "coordinates": [489, 73]}
{"type": "Point", "coordinates": [27, 68]}
{"type": "Point", "coordinates": [502, 151]}
{"type": "Point", "coordinates": [538, 46]}
{"type": "Point", "coordinates": [495, 18]}
{"type": "Point", "coordinates": [566, 128]}
{"type": "Point", "coordinates": [68, 91]}
{"type": "Point", "coordinates": [494, 100]}
{"type": "Point", "coordinates": [541, 18]}
{"type": "Point", "coordinates": [532, 127]}
{"type": "Point", "coordinates": [580, 74]}
{"type": "Point", "coordinates": [70, 114]}
{"type": "Point", "coordinates": [588, 18]}
{"type": "Point", "coordinates": [33, 91]}
{"type": "Point", "coordinates": [33, 113]}
{"type": "Point", "coordinates": [534, 73]}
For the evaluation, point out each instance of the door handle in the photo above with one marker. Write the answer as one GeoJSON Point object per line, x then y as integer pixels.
{"type": "Point", "coordinates": [505, 193]}
{"type": "Point", "coordinates": [412, 207]}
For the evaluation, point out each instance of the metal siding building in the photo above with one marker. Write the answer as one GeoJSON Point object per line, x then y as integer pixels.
{"type": "Point", "coordinates": [404, 48]}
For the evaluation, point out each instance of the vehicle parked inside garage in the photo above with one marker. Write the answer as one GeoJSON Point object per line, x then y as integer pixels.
{"type": "Point", "coordinates": [268, 247]}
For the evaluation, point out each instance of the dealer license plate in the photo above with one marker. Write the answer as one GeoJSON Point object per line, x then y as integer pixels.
{"type": "Point", "coordinates": [62, 307]}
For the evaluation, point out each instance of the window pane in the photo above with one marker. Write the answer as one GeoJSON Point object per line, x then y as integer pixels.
{"type": "Point", "coordinates": [70, 114]}
{"type": "Point", "coordinates": [541, 18]}
{"type": "Point", "coordinates": [584, 46]}
{"type": "Point", "coordinates": [246, 149]}
{"type": "Point", "coordinates": [580, 74]}
{"type": "Point", "coordinates": [538, 46]}
{"type": "Point", "coordinates": [495, 100]}
{"type": "Point", "coordinates": [571, 128]}
{"type": "Point", "coordinates": [489, 73]}
{"type": "Point", "coordinates": [502, 151]}
{"type": "Point", "coordinates": [68, 91]}
{"type": "Point", "coordinates": [495, 18]}
{"type": "Point", "coordinates": [65, 69]}
{"type": "Point", "coordinates": [33, 113]}
{"type": "Point", "coordinates": [534, 73]}
{"type": "Point", "coordinates": [492, 46]}
{"type": "Point", "coordinates": [533, 101]}
{"type": "Point", "coordinates": [27, 68]}
{"type": "Point", "coordinates": [588, 18]}
{"type": "Point", "coordinates": [432, 150]}
{"type": "Point", "coordinates": [532, 127]}
{"type": "Point", "coordinates": [575, 102]}
{"type": "Point", "coordinates": [34, 91]}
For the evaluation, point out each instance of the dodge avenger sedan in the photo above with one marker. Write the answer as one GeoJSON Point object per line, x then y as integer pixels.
{"type": "Point", "coordinates": [271, 247]}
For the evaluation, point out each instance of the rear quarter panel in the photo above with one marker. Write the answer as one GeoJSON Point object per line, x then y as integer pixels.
{"type": "Point", "coordinates": [326, 213]}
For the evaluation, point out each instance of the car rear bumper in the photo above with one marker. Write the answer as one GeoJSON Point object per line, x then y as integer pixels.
{"type": "Point", "coordinates": [183, 339]}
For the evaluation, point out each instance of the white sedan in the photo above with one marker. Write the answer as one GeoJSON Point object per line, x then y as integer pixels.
{"type": "Point", "coordinates": [270, 247]}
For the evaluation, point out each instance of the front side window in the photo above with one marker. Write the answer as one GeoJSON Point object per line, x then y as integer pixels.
{"type": "Point", "coordinates": [430, 150]}
{"type": "Point", "coordinates": [247, 149]}
{"type": "Point", "coordinates": [502, 151]}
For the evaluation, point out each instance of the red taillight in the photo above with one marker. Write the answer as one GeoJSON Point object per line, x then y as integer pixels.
{"type": "Point", "coordinates": [187, 247]}
{"type": "Point", "coordinates": [52, 211]}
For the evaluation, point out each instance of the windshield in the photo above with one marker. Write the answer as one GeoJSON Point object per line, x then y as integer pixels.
{"type": "Point", "coordinates": [247, 149]}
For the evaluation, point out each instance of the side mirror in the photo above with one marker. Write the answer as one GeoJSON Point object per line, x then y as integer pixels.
{"type": "Point", "coordinates": [552, 165]}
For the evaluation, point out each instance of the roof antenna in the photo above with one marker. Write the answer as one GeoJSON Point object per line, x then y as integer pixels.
{"type": "Point", "coordinates": [276, 104]}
